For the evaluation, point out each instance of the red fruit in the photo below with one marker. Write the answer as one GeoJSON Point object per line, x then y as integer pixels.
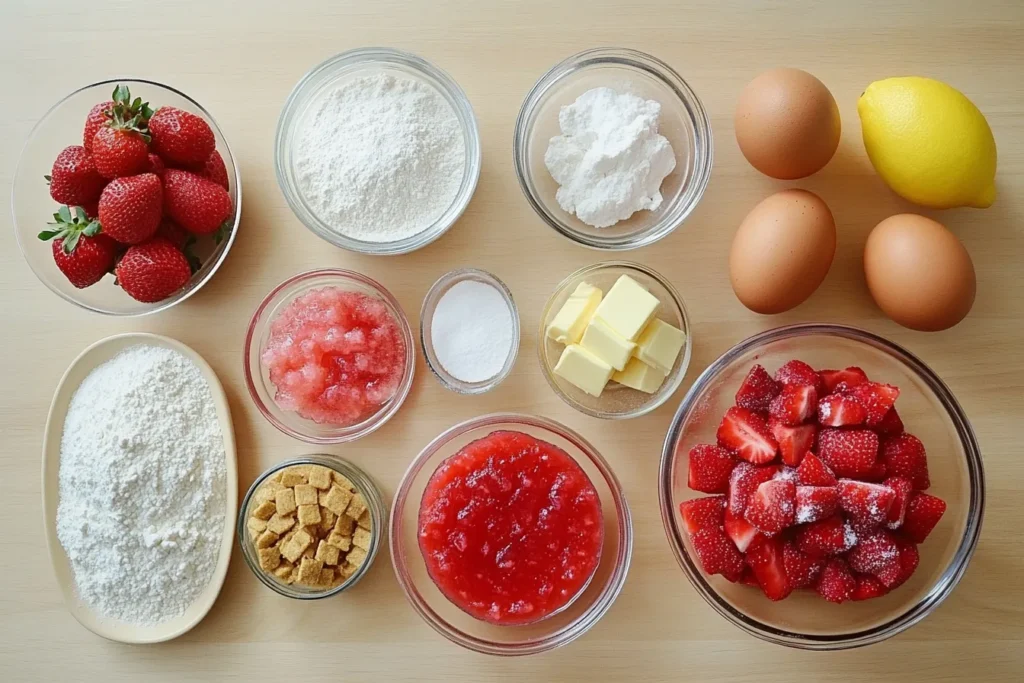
{"type": "Point", "coordinates": [156, 165]}
{"type": "Point", "coordinates": [709, 469]}
{"type": "Point", "coordinates": [904, 456]}
{"type": "Point", "coordinates": [80, 251]}
{"type": "Point", "coordinates": [851, 376]}
{"type": "Point", "coordinates": [876, 554]}
{"type": "Point", "coordinates": [173, 233]}
{"type": "Point", "coordinates": [830, 536]}
{"type": "Point", "coordinates": [743, 482]}
{"type": "Point", "coordinates": [909, 559]}
{"type": "Point", "coordinates": [181, 137]}
{"type": "Point", "coordinates": [743, 533]}
{"type": "Point", "coordinates": [837, 583]}
{"type": "Point", "coordinates": [898, 510]}
{"type": "Point", "coordinates": [866, 505]}
{"type": "Point", "coordinates": [199, 205]}
{"type": "Point", "coordinates": [758, 390]}
{"type": "Point", "coordinates": [747, 434]}
{"type": "Point", "coordinates": [717, 554]}
{"type": "Point", "coordinates": [96, 119]}
{"type": "Point", "coordinates": [814, 503]}
{"type": "Point", "coordinates": [152, 271]}
{"type": "Point", "coordinates": [877, 473]}
{"type": "Point", "coordinates": [130, 208]}
{"type": "Point", "coordinates": [850, 453]}
{"type": "Point", "coordinates": [702, 512]}
{"type": "Point", "coordinates": [74, 179]}
{"type": "Point", "coordinates": [868, 587]}
{"type": "Point", "coordinates": [801, 569]}
{"type": "Point", "coordinates": [215, 170]}
{"type": "Point", "coordinates": [923, 513]}
{"type": "Point", "coordinates": [840, 410]}
{"type": "Point", "coordinates": [877, 398]}
{"type": "Point", "coordinates": [794, 442]}
{"type": "Point", "coordinates": [767, 561]}
{"type": "Point", "coordinates": [772, 508]}
{"type": "Point", "coordinates": [119, 152]}
{"type": "Point", "coordinates": [799, 372]}
{"type": "Point", "coordinates": [748, 578]}
{"type": "Point", "coordinates": [813, 472]}
{"type": "Point", "coordinates": [794, 405]}
{"type": "Point", "coordinates": [891, 424]}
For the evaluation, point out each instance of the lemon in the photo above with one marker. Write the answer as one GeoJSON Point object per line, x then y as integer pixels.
{"type": "Point", "coordinates": [929, 142]}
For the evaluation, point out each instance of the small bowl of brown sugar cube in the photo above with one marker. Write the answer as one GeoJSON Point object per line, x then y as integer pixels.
{"type": "Point", "coordinates": [311, 527]}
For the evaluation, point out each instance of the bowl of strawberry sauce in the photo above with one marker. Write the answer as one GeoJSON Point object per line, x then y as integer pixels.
{"type": "Point", "coordinates": [821, 487]}
{"type": "Point", "coordinates": [510, 535]}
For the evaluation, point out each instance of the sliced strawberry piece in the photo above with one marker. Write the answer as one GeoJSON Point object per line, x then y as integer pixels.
{"type": "Point", "coordinates": [813, 472]}
{"type": "Point", "coordinates": [801, 569]}
{"type": "Point", "coordinates": [743, 533]}
{"type": "Point", "coordinates": [840, 410]}
{"type": "Point", "coordinates": [923, 513]}
{"type": "Point", "coordinates": [865, 504]}
{"type": "Point", "coordinates": [794, 405]}
{"type": "Point", "coordinates": [748, 578]}
{"type": "Point", "coordinates": [747, 433]}
{"type": "Point", "coordinates": [891, 424]}
{"type": "Point", "coordinates": [877, 474]}
{"type": "Point", "coordinates": [909, 559]}
{"type": "Point", "coordinates": [849, 452]}
{"type": "Point", "coordinates": [758, 390]}
{"type": "Point", "coordinates": [830, 536]}
{"type": "Point", "coordinates": [876, 554]}
{"type": "Point", "coordinates": [877, 398]}
{"type": "Point", "coordinates": [898, 509]}
{"type": "Point", "coordinates": [799, 372]}
{"type": "Point", "coordinates": [851, 376]}
{"type": "Point", "coordinates": [868, 587]}
{"type": "Point", "coordinates": [743, 481]}
{"type": "Point", "coordinates": [837, 582]}
{"type": "Point", "coordinates": [794, 442]}
{"type": "Point", "coordinates": [904, 456]}
{"type": "Point", "coordinates": [703, 512]}
{"type": "Point", "coordinates": [717, 554]}
{"type": "Point", "coordinates": [772, 507]}
{"type": "Point", "coordinates": [767, 561]}
{"type": "Point", "coordinates": [814, 503]}
{"type": "Point", "coordinates": [709, 468]}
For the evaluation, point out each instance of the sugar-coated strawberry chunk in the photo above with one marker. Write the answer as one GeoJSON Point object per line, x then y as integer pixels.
{"type": "Point", "coordinates": [849, 452]}
{"type": "Point", "coordinates": [794, 442]}
{"type": "Point", "coordinates": [904, 456]}
{"type": "Point", "coordinates": [768, 562]}
{"type": "Point", "coordinates": [717, 554]}
{"type": "Point", "coordinates": [909, 559]}
{"type": "Point", "coordinates": [772, 508]}
{"type": "Point", "coordinates": [813, 472]}
{"type": "Point", "coordinates": [757, 390]}
{"type": "Point", "coordinates": [748, 578]}
{"type": "Point", "coordinates": [795, 404]}
{"type": "Point", "coordinates": [799, 372]}
{"type": "Point", "coordinates": [801, 568]}
{"type": "Point", "coordinates": [747, 433]}
{"type": "Point", "coordinates": [837, 582]}
{"type": "Point", "coordinates": [865, 504]}
{"type": "Point", "coordinates": [814, 503]}
{"type": "Point", "coordinates": [709, 468]}
{"type": "Point", "coordinates": [877, 474]}
{"type": "Point", "coordinates": [702, 512]}
{"type": "Point", "coordinates": [744, 480]}
{"type": "Point", "coordinates": [923, 512]}
{"type": "Point", "coordinates": [840, 410]}
{"type": "Point", "coordinates": [831, 536]}
{"type": "Point", "coordinates": [743, 533]}
{"type": "Point", "coordinates": [868, 587]}
{"type": "Point", "coordinates": [877, 398]}
{"type": "Point", "coordinates": [898, 510]}
{"type": "Point", "coordinates": [851, 376]}
{"type": "Point", "coordinates": [876, 554]}
{"type": "Point", "coordinates": [891, 424]}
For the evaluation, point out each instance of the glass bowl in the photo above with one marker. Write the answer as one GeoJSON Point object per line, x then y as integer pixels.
{"type": "Point", "coordinates": [257, 377]}
{"type": "Point", "coordinates": [347, 66]}
{"type": "Point", "coordinates": [557, 629]}
{"type": "Point", "coordinates": [378, 518]}
{"type": "Point", "coordinates": [32, 207]}
{"type": "Point", "coordinates": [683, 121]}
{"type": "Point", "coordinates": [434, 295]}
{"type": "Point", "coordinates": [928, 410]}
{"type": "Point", "coordinates": [617, 402]}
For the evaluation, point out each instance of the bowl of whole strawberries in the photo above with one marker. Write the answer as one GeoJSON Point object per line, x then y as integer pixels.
{"type": "Point", "coordinates": [821, 487]}
{"type": "Point", "coordinates": [126, 198]}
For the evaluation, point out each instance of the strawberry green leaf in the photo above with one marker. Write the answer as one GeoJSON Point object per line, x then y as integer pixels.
{"type": "Point", "coordinates": [71, 241]}
{"type": "Point", "coordinates": [48, 234]}
{"type": "Point", "coordinates": [80, 214]}
{"type": "Point", "coordinates": [48, 179]}
{"type": "Point", "coordinates": [65, 214]}
{"type": "Point", "coordinates": [92, 229]}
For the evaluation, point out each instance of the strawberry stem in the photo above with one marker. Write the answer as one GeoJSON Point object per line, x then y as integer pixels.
{"type": "Point", "coordinates": [70, 227]}
{"type": "Point", "coordinates": [129, 115]}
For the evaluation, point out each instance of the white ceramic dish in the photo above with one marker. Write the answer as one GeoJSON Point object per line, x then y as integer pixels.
{"type": "Point", "coordinates": [98, 353]}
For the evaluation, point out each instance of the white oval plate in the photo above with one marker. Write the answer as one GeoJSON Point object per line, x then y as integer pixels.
{"type": "Point", "coordinates": [98, 353]}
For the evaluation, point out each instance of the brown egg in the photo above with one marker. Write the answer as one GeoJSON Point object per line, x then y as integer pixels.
{"type": "Point", "coordinates": [782, 251]}
{"type": "Point", "coordinates": [919, 273]}
{"type": "Point", "coordinates": [787, 124]}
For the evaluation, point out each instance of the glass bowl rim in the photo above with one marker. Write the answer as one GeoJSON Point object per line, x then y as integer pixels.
{"type": "Point", "coordinates": [952, 573]}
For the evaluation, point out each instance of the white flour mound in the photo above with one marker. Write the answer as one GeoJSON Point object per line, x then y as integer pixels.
{"type": "Point", "coordinates": [142, 486]}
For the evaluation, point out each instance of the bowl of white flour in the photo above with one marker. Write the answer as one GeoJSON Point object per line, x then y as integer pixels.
{"type": "Point", "coordinates": [613, 149]}
{"type": "Point", "coordinates": [377, 151]}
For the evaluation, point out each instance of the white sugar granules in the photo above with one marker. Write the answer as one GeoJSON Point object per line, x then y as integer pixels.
{"type": "Point", "coordinates": [380, 158]}
{"type": "Point", "coordinates": [472, 331]}
{"type": "Point", "coordinates": [609, 160]}
{"type": "Point", "coordinates": [142, 486]}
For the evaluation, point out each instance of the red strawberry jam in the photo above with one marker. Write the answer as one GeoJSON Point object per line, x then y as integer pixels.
{"type": "Point", "coordinates": [335, 356]}
{"type": "Point", "coordinates": [510, 528]}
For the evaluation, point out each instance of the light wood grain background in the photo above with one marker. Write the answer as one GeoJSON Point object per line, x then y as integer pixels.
{"type": "Point", "coordinates": [241, 59]}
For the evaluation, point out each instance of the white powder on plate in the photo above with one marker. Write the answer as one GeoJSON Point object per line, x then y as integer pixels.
{"type": "Point", "coordinates": [609, 160]}
{"type": "Point", "coordinates": [380, 158]}
{"type": "Point", "coordinates": [472, 330]}
{"type": "Point", "coordinates": [142, 486]}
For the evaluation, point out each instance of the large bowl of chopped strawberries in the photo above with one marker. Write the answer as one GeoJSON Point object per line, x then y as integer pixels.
{"type": "Point", "coordinates": [126, 198]}
{"type": "Point", "coordinates": [821, 487]}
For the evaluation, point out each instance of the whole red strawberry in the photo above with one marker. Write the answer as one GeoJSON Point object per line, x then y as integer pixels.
{"type": "Point", "coordinates": [215, 170]}
{"type": "Point", "coordinates": [120, 146]}
{"type": "Point", "coordinates": [98, 116]}
{"type": "Point", "coordinates": [181, 137]}
{"type": "Point", "coordinates": [80, 251]}
{"type": "Point", "coordinates": [156, 165]}
{"type": "Point", "coordinates": [74, 179]}
{"type": "Point", "coordinates": [130, 208]}
{"type": "Point", "coordinates": [199, 205]}
{"type": "Point", "coordinates": [152, 271]}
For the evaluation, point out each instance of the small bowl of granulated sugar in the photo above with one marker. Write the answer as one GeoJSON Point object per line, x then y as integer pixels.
{"type": "Point", "coordinates": [469, 330]}
{"type": "Point", "coordinates": [377, 151]}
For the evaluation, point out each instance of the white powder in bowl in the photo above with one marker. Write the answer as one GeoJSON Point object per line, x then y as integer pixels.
{"type": "Point", "coordinates": [472, 331]}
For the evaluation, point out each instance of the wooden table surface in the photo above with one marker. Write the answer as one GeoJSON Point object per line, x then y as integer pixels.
{"type": "Point", "coordinates": [241, 60]}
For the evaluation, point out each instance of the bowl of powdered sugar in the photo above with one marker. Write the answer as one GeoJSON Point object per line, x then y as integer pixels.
{"type": "Point", "coordinates": [377, 151]}
{"type": "Point", "coordinates": [613, 149]}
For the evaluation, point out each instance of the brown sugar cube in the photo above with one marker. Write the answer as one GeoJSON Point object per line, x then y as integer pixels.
{"type": "Point", "coordinates": [348, 570]}
{"type": "Point", "coordinates": [293, 548]}
{"type": "Point", "coordinates": [356, 507]}
{"type": "Point", "coordinates": [266, 539]}
{"type": "Point", "coordinates": [270, 558]}
{"type": "Point", "coordinates": [256, 526]}
{"type": "Point", "coordinates": [280, 524]}
{"type": "Point", "coordinates": [266, 491]}
{"type": "Point", "coordinates": [290, 477]}
{"type": "Point", "coordinates": [309, 571]}
{"type": "Point", "coordinates": [356, 556]}
{"type": "Point", "coordinates": [264, 510]}
{"type": "Point", "coordinates": [327, 521]}
{"type": "Point", "coordinates": [337, 500]}
{"type": "Point", "coordinates": [285, 501]}
{"type": "Point", "coordinates": [308, 552]}
{"type": "Point", "coordinates": [320, 477]}
{"type": "Point", "coordinates": [305, 495]}
{"type": "Point", "coordinates": [326, 553]}
{"type": "Point", "coordinates": [364, 520]}
{"type": "Point", "coordinates": [345, 525]}
{"type": "Point", "coordinates": [338, 541]}
{"type": "Point", "coordinates": [303, 539]}
{"type": "Point", "coordinates": [284, 572]}
{"type": "Point", "coordinates": [326, 576]}
{"type": "Point", "coordinates": [343, 481]}
{"type": "Point", "coordinates": [361, 539]}
{"type": "Point", "coordinates": [339, 578]}
{"type": "Point", "coordinates": [309, 515]}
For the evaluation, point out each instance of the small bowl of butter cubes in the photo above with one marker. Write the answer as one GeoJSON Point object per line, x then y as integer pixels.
{"type": "Point", "coordinates": [615, 340]}
{"type": "Point", "coordinates": [311, 527]}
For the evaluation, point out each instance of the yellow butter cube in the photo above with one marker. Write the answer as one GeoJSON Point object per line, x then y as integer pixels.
{"type": "Point", "coordinates": [640, 376]}
{"type": "Point", "coordinates": [628, 308]}
{"type": "Point", "coordinates": [607, 344]}
{"type": "Point", "coordinates": [583, 369]}
{"type": "Point", "coordinates": [659, 345]}
{"type": "Point", "coordinates": [568, 324]}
